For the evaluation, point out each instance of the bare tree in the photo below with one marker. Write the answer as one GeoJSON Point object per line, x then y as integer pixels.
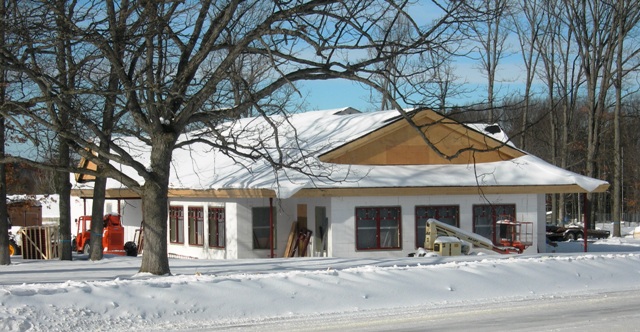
{"type": "Point", "coordinates": [561, 77]}
{"type": "Point", "coordinates": [626, 18]}
{"type": "Point", "coordinates": [491, 34]}
{"type": "Point", "coordinates": [111, 112]}
{"type": "Point", "coordinates": [528, 30]}
{"type": "Point", "coordinates": [397, 33]}
{"type": "Point", "coordinates": [5, 259]}
{"type": "Point", "coordinates": [66, 78]}
{"type": "Point", "coordinates": [595, 25]}
{"type": "Point", "coordinates": [174, 76]}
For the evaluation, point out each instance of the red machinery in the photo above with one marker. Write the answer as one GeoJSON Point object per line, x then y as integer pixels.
{"type": "Point", "coordinates": [514, 234]}
{"type": "Point", "coordinates": [112, 236]}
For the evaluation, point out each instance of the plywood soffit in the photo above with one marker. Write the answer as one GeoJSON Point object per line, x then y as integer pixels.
{"type": "Point", "coordinates": [351, 192]}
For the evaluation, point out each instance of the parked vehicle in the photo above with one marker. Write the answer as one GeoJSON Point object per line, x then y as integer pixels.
{"type": "Point", "coordinates": [573, 232]}
{"type": "Point", "coordinates": [112, 236]}
{"type": "Point", "coordinates": [14, 248]}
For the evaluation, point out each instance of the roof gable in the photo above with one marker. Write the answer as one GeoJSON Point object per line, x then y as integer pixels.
{"type": "Point", "coordinates": [89, 165]}
{"type": "Point", "coordinates": [399, 143]}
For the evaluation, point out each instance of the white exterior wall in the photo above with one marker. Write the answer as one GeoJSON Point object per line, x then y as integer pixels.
{"type": "Point", "coordinates": [243, 222]}
{"type": "Point", "coordinates": [239, 232]}
{"type": "Point", "coordinates": [131, 216]}
{"type": "Point", "coordinates": [200, 251]}
{"type": "Point", "coordinates": [529, 208]}
{"type": "Point", "coordinates": [286, 214]}
{"type": "Point", "coordinates": [340, 212]}
{"type": "Point", "coordinates": [541, 226]}
{"type": "Point", "coordinates": [238, 228]}
{"type": "Point", "coordinates": [231, 230]}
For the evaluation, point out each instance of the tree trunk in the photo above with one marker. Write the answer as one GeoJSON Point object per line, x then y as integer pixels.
{"type": "Point", "coordinates": [100, 184]}
{"type": "Point", "coordinates": [617, 146]}
{"type": "Point", "coordinates": [155, 258]}
{"type": "Point", "coordinates": [5, 259]}
{"type": "Point", "coordinates": [65, 67]}
{"type": "Point", "coordinates": [64, 190]}
{"type": "Point", "coordinates": [97, 213]}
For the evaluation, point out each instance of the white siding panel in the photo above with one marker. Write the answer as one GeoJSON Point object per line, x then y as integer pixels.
{"type": "Point", "coordinates": [341, 228]}
{"type": "Point", "coordinates": [529, 208]}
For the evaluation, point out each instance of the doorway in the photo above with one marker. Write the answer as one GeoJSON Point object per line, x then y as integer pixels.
{"type": "Point", "coordinates": [322, 227]}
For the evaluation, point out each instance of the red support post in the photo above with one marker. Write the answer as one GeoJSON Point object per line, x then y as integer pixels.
{"type": "Point", "coordinates": [271, 226]}
{"type": "Point", "coordinates": [587, 212]}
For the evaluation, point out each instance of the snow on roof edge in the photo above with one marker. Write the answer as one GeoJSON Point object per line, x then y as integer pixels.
{"type": "Point", "coordinates": [198, 175]}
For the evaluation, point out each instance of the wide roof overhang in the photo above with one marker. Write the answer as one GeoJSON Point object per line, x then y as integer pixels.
{"type": "Point", "coordinates": [351, 192]}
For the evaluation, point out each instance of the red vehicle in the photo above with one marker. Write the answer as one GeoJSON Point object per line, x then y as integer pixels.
{"type": "Point", "coordinates": [112, 236]}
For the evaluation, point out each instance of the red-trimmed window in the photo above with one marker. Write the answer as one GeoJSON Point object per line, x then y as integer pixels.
{"type": "Point", "coordinates": [176, 224]}
{"type": "Point", "coordinates": [378, 228]}
{"type": "Point", "coordinates": [448, 214]}
{"type": "Point", "coordinates": [485, 217]}
{"type": "Point", "coordinates": [196, 226]}
{"type": "Point", "coordinates": [216, 227]}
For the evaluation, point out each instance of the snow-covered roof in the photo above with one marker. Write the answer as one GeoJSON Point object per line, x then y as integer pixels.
{"type": "Point", "coordinates": [492, 130]}
{"type": "Point", "coordinates": [303, 137]}
{"type": "Point", "coordinates": [32, 199]}
{"type": "Point", "coordinates": [48, 203]}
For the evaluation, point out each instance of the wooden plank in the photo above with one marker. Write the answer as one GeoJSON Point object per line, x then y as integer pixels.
{"type": "Point", "coordinates": [304, 235]}
{"type": "Point", "coordinates": [289, 249]}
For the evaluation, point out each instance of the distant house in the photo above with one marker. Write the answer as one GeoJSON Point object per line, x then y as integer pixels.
{"type": "Point", "coordinates": [24, 211]}
{"type": "Point", "coordinates": [37, 210]}
{"type": "Point", "coordinates": [363, 184]}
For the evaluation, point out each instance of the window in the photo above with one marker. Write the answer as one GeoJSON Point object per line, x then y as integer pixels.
{"type": "Point", "coordinates": [378, 228]}
{"type": "Point", "coordinates": [485, 217]}
{"type": "Point", "coordinates": [176, 223]}
{"type": "Point", "coordinates": [448, 214]}
{"type": "Point", "coordinates": [260, 218]}
{"type": "Point", "coordinates": [196, 226]}
{"type": "Point", "coordinates": [216, 227]}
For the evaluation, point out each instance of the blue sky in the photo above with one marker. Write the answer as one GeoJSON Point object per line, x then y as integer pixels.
{"type": "Point", "coordinates": [321, 95]}
{"type": "Point", "coordinates": [329, 94]}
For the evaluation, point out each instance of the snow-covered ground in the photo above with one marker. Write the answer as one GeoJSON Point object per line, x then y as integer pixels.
{"type": "Point", "coordinates": [260, 294]}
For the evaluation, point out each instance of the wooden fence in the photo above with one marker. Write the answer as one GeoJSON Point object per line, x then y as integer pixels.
{"type": "Point", "coordinates": [40, 242]}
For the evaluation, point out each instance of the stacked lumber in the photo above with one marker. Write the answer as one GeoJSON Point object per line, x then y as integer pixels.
{"type": "Point", "coordinates": [298, 241]}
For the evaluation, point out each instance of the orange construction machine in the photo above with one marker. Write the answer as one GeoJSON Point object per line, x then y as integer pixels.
{"type": "Point", "coordinates": [112, 236]}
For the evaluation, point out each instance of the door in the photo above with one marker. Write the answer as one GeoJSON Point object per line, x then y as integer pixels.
{"type": "Point", "coordinates": [322, 226]}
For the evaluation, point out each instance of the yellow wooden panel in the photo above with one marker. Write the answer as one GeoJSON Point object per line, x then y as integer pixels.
{"type": "Point", "coordinates": [302, 215]}
{"type": "Point", "coordinates": [401, 144]}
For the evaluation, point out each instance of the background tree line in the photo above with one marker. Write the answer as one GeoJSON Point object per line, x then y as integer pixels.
{"type": "Point", "coordinates": [572, 97]}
